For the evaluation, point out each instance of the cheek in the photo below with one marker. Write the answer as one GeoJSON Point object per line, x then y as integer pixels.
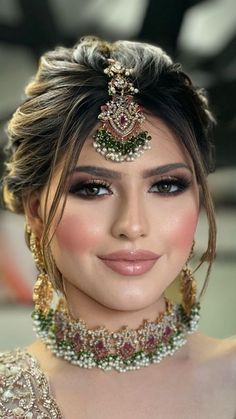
{"type": "Point", "coordinates": [182, 229]}
{"type": "Point", "coordinates": [78, 234]}
{"type": "Point", "coordinates": [179, 228]}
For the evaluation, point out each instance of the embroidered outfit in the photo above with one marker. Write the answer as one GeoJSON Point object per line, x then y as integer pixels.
{"type": "Point", "coordinates": [24, 389]}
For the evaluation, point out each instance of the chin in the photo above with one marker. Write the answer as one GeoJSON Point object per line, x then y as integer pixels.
{"type": "Point", "coordinates": [129, 302]}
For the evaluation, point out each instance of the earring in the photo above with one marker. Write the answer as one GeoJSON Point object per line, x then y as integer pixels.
{"type": "Point", "coordinates": [188, 286]}
{"type": "Point", "coordinates": [43, 290]}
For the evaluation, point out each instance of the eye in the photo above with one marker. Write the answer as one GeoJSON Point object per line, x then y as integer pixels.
{"type": "Point", "coordinates": [170, 186]}
{"type": "Point", "coordinates": [90, 189]}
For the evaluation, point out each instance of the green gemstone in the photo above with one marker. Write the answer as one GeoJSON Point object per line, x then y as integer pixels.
{"type": "Point", "coordinates": [105, 139]}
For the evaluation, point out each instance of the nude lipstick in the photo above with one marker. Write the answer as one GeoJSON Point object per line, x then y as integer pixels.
{"type": "Point", "coordinates": [130, 263]}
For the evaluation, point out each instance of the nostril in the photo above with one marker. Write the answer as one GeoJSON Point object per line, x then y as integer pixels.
{"type": "Point", "coordinates": [130, 221]}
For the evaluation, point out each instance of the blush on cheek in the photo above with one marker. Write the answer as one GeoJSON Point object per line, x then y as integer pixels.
{"type": "Point", "coordinates": [76, 235]}
{"type": "Point", "coordinates": [183, 230]}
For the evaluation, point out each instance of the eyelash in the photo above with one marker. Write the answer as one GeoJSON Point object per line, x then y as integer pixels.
{"type": "Point", "coordinates": [181, 183]}
{"type": "Point", "coordinates": [90, 183]}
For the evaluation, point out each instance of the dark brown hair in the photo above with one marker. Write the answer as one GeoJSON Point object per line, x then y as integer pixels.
{"type": "Point", "coordinates": [61, 108]}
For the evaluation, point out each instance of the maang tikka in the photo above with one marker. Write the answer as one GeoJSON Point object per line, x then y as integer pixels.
{"type": "Point", "coordinates": [120, 138]}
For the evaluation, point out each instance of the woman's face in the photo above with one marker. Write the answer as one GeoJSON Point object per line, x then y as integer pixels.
{"type": "Point", "coordinates": [151, 204]}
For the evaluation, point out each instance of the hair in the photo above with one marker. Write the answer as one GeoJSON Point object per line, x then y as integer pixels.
{"type": "Point", "coordinates": [61, 107]}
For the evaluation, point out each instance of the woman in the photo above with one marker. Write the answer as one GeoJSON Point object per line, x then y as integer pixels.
{"type": "Point", "coordinates": [108, 159]}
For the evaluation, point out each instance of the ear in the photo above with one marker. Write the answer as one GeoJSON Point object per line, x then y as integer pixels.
{"type": "Point", "coordinates": [33, 213]}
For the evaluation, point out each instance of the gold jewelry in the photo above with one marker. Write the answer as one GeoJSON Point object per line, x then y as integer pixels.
{"type": "Point", "coordinates": [188, 285]}
{"type": "Point", "coordinates": [43, 290]}
{"type": "Point", "coordinates": [120, 138]}
{"type": "Point", "coordinates": [122, 350]}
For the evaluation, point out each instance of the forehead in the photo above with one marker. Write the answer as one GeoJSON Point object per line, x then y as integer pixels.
{"type": "Point", "coordinates": [165, 149]}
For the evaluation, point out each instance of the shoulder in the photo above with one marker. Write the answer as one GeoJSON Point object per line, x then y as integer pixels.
{"type": "Point", "coordinates": [207, 347]}
{"type": "Point", "coordinates": [13, 366]}
{"type": "Point", "coordinates": [229, 354]}
{"type": "Point", "coordinates": [13, 357]}
{"type": "Point", "coordinates": [24, 389]}
{"type": "Point", "coordinates": [212, 363]}
{"type": "Point", "coordinates": [216, 355]}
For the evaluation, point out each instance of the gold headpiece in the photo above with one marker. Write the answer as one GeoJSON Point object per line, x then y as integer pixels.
{"type": "Point", "coordinates": [120, 138]}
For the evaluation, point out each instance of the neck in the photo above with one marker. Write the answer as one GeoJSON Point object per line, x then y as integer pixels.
{"type": "Point", "coordinates": [95, 314]}
{"type": "Point", "coordinates": [104, 343]}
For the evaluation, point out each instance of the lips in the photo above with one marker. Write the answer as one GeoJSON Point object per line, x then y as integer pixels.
{"type": "Point", "coordinates": [130, 262]}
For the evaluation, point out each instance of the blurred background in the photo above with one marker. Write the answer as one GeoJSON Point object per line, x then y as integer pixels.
{"type": "Point", "coordinates": [199, 34]}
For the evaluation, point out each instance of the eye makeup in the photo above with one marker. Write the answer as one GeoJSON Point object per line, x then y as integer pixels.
{"type": "Point", "coordinates": [98, 188]}
{"type": "Point", "coordinates": [171, 185]}
{"type": "Point", "coordinates": [88, 189]}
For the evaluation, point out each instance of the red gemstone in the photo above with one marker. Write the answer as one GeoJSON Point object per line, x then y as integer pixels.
{"type": "Point", "coordinates": [167, 333]}
{"type": "Point", "coordinates": [100, 349]}
{"type": "Point", "coordinates": [78, 342]}
{"type": "Point", "coordinates": [127, 350]}
{"type": "Point", "coordinates": [150, 342]}
{"type": "Point", "coordinates": [123, 120]}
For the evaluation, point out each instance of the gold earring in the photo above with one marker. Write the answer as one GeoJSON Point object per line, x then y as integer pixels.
{"type": "Point", "coordinates": [43, 290]}
{"type": "Point", "coordinates": [188, 285]}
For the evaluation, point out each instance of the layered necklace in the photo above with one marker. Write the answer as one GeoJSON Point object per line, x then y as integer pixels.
{"type": "Point", "coordinates": [123, 350]}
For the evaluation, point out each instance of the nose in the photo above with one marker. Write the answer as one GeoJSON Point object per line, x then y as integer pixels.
{"type": "Point", "coordinates": [131, 221]}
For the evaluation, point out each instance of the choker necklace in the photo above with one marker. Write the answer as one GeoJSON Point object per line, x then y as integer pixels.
{"type": "Point", "coordinates": [124, 350]}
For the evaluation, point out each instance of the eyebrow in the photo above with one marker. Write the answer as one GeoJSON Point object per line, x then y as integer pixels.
{"type": "Point", "coordinates": [112, 174]}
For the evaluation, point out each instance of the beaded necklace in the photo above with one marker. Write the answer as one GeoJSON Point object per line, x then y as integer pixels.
{"type": "Point", "coordinates": [124, 350]}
